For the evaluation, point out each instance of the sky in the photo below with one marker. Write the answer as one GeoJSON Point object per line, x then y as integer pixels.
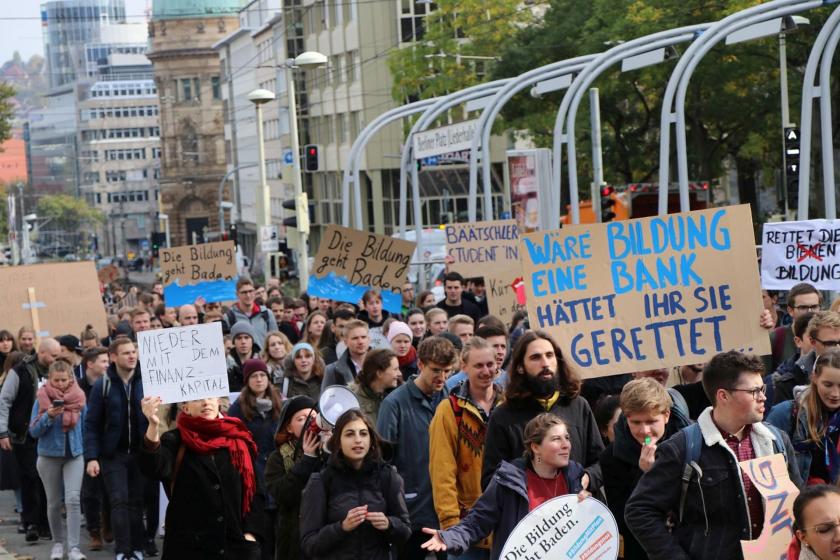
{"type": "Point", "coordinates": [20, 26]}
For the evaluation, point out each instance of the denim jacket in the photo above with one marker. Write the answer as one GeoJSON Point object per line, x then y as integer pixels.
{"type": "Point", "coordinates": [51, 438]}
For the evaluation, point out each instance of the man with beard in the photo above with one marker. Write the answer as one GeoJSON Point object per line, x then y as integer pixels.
{"type": "Point", "coordinates": [537, 383]}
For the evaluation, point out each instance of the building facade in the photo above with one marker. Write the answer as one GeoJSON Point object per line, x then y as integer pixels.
{"type": "Point", "coordinates": [188, 81]}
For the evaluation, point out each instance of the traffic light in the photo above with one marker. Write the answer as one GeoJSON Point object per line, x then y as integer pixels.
{"type": "Point", "coordinates": [158, 241]}
{"type": "Point", "coordinates": [310, 158]}
{"type": "Point", "coordinates": [607, 204]}
{"type": "Point", "coordinates": [302, 213]}
{"type": "Point", "coordinates": [791, 161]}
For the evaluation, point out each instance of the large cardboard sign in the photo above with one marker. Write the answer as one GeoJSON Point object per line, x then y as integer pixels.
{"type": "Point", "coordinates": [649, 293]}
{"type": "Point", "coordinates": [207, 270]}
{"type": "Point", "coordinates": [771, 479]}
{"type": "Point", "coordinates": [350, 262]}
{"type": "Point", "coordinates": [53, 299]}
{"type": "Point", "coordinates": [183, 363]}
{"type": "Point", "coordinates": [489, 250]}
{"type": "Point", "coordinates": [564, 529]}
{"type": "Point", "coordinates": [805, 251]}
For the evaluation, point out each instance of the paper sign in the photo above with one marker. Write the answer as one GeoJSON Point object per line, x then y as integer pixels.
{"type": "Point", "coordinates": [269, 238]}
{"type": "Point", "coordinates": [489, 250]}
{"type": "Point", "coordinates": [207, 270]}
{"type": "Point", "coordinates": [183, 363]}
{"type": "Point", "coordinates": [66, 298]}
{"type": "Point", "coordinates": [645, 294]}
{"type": "Point", "coordinates": [771, 479]}
{"type": "Point", "coordinates": [564, 529]}
{"type": "Point", "coordinates": [795, 252]}
{"type": "Point", "coordinates": [350, 262]}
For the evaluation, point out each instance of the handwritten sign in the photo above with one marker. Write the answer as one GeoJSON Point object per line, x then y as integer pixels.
{"type": "Point", "coordinates": [350, 262]}
{"type": "Point", "coordinates": [183, 363]}
{"type": "Point", "coordinates": [66, 298]}
{"type": "Point", "coordinates": [771, 479]}
{"type": "Point", "coordinates": [489, 250]}
{"type": "Point", "coordinates": [563, 528]}
{"type": "Point", "coordinates": [644, 294]}
{"type": "Point", "coordinates": [207, 270]}
{"type": "Point", "coordinates": [795, 252]}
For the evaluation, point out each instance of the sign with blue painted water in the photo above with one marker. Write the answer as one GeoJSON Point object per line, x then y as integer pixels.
{"type": "Point", "coordinates": [644, 294]}
{"type": "Point", "coordinates": [350, 262]}
{"type": "Point", "coordinates": [207, 270]}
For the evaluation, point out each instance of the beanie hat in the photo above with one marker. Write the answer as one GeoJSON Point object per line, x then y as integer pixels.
{"type": "Point", "coordinates": [252, 365]}
{"type": "Point", "coordinates": [456, 342]}
{"type": "Point", "coordinates": [292, 407]}
{"type": "Point", "coordinates": [242, 327]}
{"type": "Point", "coordinates": [397, 328]}
{"type": "Point", "coordinates": [301, 346]}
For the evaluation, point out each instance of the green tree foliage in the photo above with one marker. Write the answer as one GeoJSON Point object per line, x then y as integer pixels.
{"type": "Point", "coordinates": [68, 213]}
{"type": "Point", "coordinates": [7, 111]}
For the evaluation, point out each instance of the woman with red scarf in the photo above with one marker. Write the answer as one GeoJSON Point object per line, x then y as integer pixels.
{"type": "Point", "coordinates": [207, 469]}
{"type": "Point", "coordinates": [400, 338]}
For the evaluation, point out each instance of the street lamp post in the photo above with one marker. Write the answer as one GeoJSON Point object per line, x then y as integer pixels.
{"type": "Point", "coordinates": [259, 97]}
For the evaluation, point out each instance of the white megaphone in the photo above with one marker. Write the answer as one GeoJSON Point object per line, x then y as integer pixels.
{"type": "Point", "coordinates": [334, 401]}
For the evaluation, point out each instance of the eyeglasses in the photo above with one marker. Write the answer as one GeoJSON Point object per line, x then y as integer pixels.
{"type": "Point", "coordinates": [824, 530]}
{"type": "Point", "coordinates": [828, 343]}
{"type": "Point", "coordinates": [807, 307]}
{"type": "Point", "coordinates": [755, 391]}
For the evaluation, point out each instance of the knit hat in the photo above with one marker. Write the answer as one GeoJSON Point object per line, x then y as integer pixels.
{"type": "Point", "coordinates": [292, 407]}
{"type": "Point", "coordinates": [242, 327]}
{"type": "Point", "coordinates": [70, 342]}
{"type": "Point", "coordinates": [456, 342]}
{"type": "Point", "coordinates": [302, 346]}
{"type": "Point", "coordinates": [397, 328]}
{"type": "Point", "coordinates": [252, 365]}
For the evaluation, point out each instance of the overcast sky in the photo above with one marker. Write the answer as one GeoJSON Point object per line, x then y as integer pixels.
{"type": "Point", "coordinates": [20, 26]}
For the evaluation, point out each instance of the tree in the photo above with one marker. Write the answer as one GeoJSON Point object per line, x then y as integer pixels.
{"type": "Point", "coordinates": [68, 213]}
{"type": "Point", "coordinates": [7, 111]}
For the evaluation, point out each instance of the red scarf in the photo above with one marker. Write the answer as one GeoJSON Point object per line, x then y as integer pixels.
{"type": "Point", "coordinates": [74, 402]}
{"type": "Point", "coordinates": [204, 436]}
{"type": "Point", "coordinates": [409, 358]}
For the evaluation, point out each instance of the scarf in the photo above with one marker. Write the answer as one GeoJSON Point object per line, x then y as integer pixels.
{"type": "Point", "coordinates": [264, 405]}
{"type": "Point", "coordinates": [74, 402]}
{"type": "Point", "coordinates": [409, 359]}
{"type": "Point", "coordinates": [204, 436]}
{"type": "Point", "coordinates": [796, 551]}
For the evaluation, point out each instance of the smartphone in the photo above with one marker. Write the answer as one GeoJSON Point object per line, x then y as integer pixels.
{"type": "Point", "coordinates": [57, 403]}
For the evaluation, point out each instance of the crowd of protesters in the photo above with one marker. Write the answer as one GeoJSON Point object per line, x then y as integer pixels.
{"type": "Point", "coordinates": [464, 425]}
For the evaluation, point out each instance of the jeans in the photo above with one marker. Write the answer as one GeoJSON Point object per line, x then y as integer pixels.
{"type": "Point", "coordinates": [151, 504]}
{"type": "Point", "coordinates": [93, 501]}
{"type": "Point", "coordinates": [32, 491]}
{"type": "Point", "coordinates": [62, 478]}
{"type": "Point", "coordinates": [124, 484]}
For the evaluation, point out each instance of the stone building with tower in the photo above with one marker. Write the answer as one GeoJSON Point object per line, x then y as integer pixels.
{"type": "Point", "coordinates": [187, 75]}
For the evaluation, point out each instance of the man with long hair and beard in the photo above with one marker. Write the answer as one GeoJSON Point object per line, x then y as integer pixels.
{"type": "Point", "coordinates": [537, 383]}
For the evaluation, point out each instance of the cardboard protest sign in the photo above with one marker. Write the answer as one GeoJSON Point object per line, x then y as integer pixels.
{"type": "Point", "coordinates": [183, 363]}
{"type": "Point", "coordinates": [771, 479]}
{"type": "Point", "coordinates": [489, 250]}
{"type": "Point", "coordinates": [350, 262]}
{"type": "Point", "coordinates": [53, 299]}
{"type": "Point", "coordinates": [207, 270]}
{"type": "Point", "coordinates": [645, 294]}
{"type": "Point", "coordinates": [563, 528]}
{"type": "Point", "coordinates": [805, 251]}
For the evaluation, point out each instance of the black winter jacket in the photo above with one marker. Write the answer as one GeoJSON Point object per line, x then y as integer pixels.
{"type": "Point", "coordinates": [333, 492]}
{"type": "Point", "coordinates": [504, 441]}
{"type": "Point", "coordinates": [114, 423]}
{"type": "Point", "coordinates": [204, 518]}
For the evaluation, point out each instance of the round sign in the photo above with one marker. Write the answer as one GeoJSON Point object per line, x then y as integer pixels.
{"type": "Point", "coordinates": [563, 528]}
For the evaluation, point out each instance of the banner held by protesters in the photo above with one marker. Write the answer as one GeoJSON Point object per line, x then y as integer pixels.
{"type": "Point", "coordinates": [804, 251]}
{"type": "Point", "coordinates": [646, 294]}
{"type": "Point", "coordinates": [207, 270]}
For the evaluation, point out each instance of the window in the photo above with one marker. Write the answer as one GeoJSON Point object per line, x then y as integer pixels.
{"type": "Point", "coordinates": [216, 85]}
{"type": "Point", "coordinates": [341, 128]}
{"type": "Point", "coordinates": [186, 89]}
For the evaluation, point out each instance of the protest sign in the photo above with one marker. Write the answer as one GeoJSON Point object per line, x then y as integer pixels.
{"type": "Point", "coordinates": [489, 250]}
{"type": "Point", "coordinates": [207, 270]}
{"type": "Point", "coordinates": [350, 262]}
{"type": "Point", "coordinates": [645, 294]}
{"type": "Point", "coordinates": [183, 363]}
{"type": "Point", "coordinates": [771, 479]}
{"type": "Point", "coordinates": [563, 528]}
{"type": "Point", "coordinates": [795, 252]}
{"type": "Point", "coordinates": [64, 297]}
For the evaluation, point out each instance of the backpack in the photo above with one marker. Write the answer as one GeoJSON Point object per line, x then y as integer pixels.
{"type": "Point", "coordinates": [693, 446]}
{"type": "Point", "coordinates": [231, 319]}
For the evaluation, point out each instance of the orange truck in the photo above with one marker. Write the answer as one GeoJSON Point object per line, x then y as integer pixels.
{"type": "Point", "coordinates": [639, 200]}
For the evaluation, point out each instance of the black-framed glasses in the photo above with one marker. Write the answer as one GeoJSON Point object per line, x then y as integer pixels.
{"type": "Point", "coordinates": [824, 530]}
{"type": "Point", "coordinates": [755, 391]}
{"type": "Point", "coordinates": [828, 343]}
{"type": "Point", "coordinates": [807, 307]}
